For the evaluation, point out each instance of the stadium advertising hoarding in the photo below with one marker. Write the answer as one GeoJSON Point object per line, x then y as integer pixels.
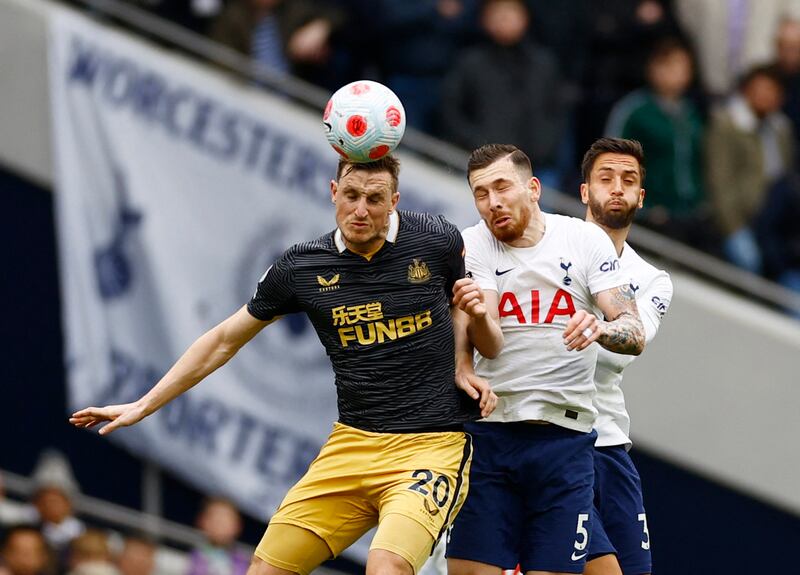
{"type": "Point", "coordinates": [176, 189]}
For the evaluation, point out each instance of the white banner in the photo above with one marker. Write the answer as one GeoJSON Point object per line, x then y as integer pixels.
{"type": "Point", "coordinates": [177, 187]}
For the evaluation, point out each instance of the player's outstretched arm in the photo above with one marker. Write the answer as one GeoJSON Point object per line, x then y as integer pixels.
{"type": "Point", "coordinates": [623, 331]}
{"type": "Point", "coordinates": [209, 352]}
{"type": "Point", "coordinates": [466, 379]}
{"type": "Point", "coordinates": [484, 322]}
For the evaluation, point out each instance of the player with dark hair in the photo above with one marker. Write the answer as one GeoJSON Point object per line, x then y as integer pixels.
{"type": "Point", "coordinates": [613, 177]}
{"type": "Point", "coordinates": [377, 290]}
{"type": "Point", "coordinates": [544, 280]}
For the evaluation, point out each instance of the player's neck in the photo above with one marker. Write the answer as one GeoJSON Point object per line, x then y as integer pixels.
{"type": "Point", "coordinates": [618, 236]}
{"type": "Point", "coordinates": [367, 250]}
{"type": "Point", "coordinates": [533, 233]}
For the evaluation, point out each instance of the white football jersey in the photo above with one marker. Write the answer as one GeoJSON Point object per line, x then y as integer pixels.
{"type": "Point", "coordinates": [653, 290]}
{"type": "Point", "coordinates": [539, 288]}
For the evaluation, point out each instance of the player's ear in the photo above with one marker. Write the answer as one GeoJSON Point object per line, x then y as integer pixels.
{"type": "Point", "coordinates": [333, 191]}
{"type": "Point", "coordinates": [585, 193]}
{"type": "Point", "coordinates": [642, 194]}
{"type": "Point", "coordinates": [395, 199]}
{"type": "Point", "coordinates": [535, 186]}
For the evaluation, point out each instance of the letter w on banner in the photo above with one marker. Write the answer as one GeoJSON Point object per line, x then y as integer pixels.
{"type": "Point", "coordinates": [176, 189]}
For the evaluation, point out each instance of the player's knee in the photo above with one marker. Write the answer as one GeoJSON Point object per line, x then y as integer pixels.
{"type": "Point", "coordinates": [382, 562]}
{"type": "Point", "coordinates": [464, 567]}
{"type": "Point", "coordinates": [261, 567]}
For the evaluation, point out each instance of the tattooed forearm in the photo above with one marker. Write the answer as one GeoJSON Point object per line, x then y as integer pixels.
{"type": "Point", "coordinates": [625, 334]}
{"type": "Point", "coordinates": [622, 332]}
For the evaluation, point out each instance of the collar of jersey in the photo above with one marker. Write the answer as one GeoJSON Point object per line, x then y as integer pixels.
{"type": "Point", "coordinates": [391, 236]}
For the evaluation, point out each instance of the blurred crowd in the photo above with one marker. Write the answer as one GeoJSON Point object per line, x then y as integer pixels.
{"type": "Point", "coordinates": [710, 87]}
{"type": "Point", "coordinates": [43, 536]}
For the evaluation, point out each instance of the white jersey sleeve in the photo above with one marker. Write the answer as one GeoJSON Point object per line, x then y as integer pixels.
{"type": "Point", "coordinates": [478, 257]}
{"type": "Point", "coordinates": [653, 290]}
{"type": "Point", "coordinates": [604, 268]}
{"type": "Point", "coordinates": [654, 303]}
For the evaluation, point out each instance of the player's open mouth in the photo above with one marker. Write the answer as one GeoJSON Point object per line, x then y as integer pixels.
{"type": "Point", "coordinates": [501, 221]}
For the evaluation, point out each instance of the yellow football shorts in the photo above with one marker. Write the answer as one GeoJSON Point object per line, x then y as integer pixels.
{"type": "Point", "coordinates": [360, 479]}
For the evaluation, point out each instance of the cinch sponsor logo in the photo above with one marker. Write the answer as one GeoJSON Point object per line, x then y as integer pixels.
{"type": "Point", "coordinates": [661, 307]}
{"type": "Point", "coordinates": [609, 265]}
{"type": "Point", "coordinates": [562, 304]}
{"type": "Point", "coordinates": [366, 325]}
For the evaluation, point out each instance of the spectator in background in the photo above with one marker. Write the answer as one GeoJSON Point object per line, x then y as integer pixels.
{"type": "Point", "coordinates": [507, 89]}
{"type": "Point", "coordinates": [419, 41]}
{"type": "Point", "coordinates": [669, 127]}
{"type": "Point", "coordinates": [788, 62]}
{"type": "Point", "coordinates": [779, 235]}
{"type": "Point", "coordinates": [749, 150]}
{"type": "Point", "coordinates": [89, 554]}
{"type": "Point", "coordinates": [138, 556]}
{"type": "Point", "coordinates": [52, 498]}
{"type": "Point", "coordinates": [24, 551]}
{"type": "Point", "coordinates": [196, 15]}
{"type": "Point", "coordinates": [12, 512]}
{"type": "Point", "coordinates": [221, 523]}
{"type": "Point", "coordinates": [620, 35]}
{"type": "Point", "coordinates": [563, 28]}
{"type": "Point", "coordinates": [732, 36]}
{"type": "Point", "coordinates": [286, 36]}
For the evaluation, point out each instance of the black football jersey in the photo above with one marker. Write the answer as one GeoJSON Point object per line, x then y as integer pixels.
{"type": "Point", "coordinates": [385, 322]}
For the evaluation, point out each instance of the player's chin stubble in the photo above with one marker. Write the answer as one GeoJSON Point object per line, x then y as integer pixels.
{"type": "Point", "coordinates": [612, 220]}
{"type": "Point", "coordinates": [515, 231]}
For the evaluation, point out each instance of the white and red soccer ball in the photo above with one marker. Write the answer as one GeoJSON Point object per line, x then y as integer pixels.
{"type": "Point", "coordinates": [364, 121]}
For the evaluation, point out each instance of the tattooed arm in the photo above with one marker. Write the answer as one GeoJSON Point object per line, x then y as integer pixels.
{"type": "Point", "coordinates": [623, 331]}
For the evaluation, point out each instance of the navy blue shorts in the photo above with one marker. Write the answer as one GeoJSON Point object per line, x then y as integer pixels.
{"type": "Point", "coordinates": [530, 498]}
{"type": "Point", "coordinates": [620, 523]}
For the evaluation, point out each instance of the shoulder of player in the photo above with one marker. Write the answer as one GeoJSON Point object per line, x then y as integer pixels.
{"type": "Point", "coordinates": [653, 281]}
{"type": "Point", "coordinates": [313, 247]}
{"type": "Point", "coordinates": [568, 223]}
{"type": "Point", "coordinates": [576, 229]}
{"type": "Point", "coordinates": [435, 225]}
{"type": "Point", "coordinates": [479, 230]}
{"type": "Point", "coordinates": [478, 237]}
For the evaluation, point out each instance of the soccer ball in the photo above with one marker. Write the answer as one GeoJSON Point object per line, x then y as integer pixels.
{"type": "Point", "coordinates": [364, 121]}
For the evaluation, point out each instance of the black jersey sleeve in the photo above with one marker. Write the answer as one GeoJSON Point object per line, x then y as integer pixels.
{"type": "Point", "coordinates": [454, 257]}
{"type": "Point", "coordinates": [275, 294]}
